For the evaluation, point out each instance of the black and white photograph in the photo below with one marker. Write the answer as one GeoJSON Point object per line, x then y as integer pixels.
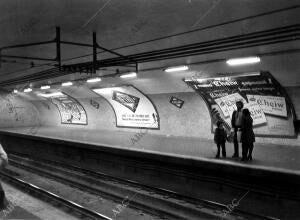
{"type": "Point", "coordinates": [150, 109]}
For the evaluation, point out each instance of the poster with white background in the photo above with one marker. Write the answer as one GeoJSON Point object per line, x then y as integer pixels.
{"type": "Point", "coordinates": [257, 113]}
{"type": "Point", "coordinates": [228, 103]}
{"type": "Point", "coordinates": [132, 108]}
{"type": "Point", "coordinates": [273, 105]}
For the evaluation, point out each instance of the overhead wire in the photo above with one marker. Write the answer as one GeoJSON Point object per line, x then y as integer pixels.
{"type": "Point", "coordinates": [173, 35]}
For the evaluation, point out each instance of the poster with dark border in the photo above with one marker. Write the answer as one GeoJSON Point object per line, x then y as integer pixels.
{"type": "Point", "coordinates": [271, 109]}
{"type": "Point", "coordinates": [132, 108]}
{"type": "Point", "coordinates": [71, 111]}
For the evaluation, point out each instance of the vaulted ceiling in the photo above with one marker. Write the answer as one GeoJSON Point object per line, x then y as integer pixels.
{"type": "Point", "coordinates": [123, 26]}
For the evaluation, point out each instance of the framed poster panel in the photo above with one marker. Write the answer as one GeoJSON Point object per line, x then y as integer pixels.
{"type": "Point", "coordinates": [71, 111]}
{"type": "Point", "coordinates": [132, 108]}
{"type": "Point", "coordinates": [271, 109]}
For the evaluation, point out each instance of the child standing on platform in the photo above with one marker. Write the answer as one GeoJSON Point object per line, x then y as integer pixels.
{"type": "Point", "coordinates": [220, 139]}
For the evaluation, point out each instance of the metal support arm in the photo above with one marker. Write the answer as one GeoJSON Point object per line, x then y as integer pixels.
{"type": "Point", "coordinates": [94, 65]}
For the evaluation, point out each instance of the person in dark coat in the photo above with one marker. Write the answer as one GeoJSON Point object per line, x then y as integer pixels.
{"type": "Point", "coordinates": [3, 163]}
{"type": "Point", "coordinates": [236, 124]}
{"type": "Point", "coordinates": [220, 139]}
{"type": "Point", "coordinates": [247, 137]}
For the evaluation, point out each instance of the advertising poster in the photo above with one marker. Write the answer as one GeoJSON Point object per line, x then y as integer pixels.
{"type": "Point", "coordinates": [273, 105]}
{"type": "Point", "coordinates": [71, 111]}
{"type": "Point", "coordinates": [271, 110]}
{"type": "Point", "coordinates": [132, 108]}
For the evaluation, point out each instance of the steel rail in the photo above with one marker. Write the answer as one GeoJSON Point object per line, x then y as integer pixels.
{"type": "Point", "coordinates": [98, 175]}
{"type": "Point", "coordinates": [53, 197]}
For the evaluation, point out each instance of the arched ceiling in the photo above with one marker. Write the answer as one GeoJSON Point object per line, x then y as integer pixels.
{"type": "Point", "coordinates": [120, 23]}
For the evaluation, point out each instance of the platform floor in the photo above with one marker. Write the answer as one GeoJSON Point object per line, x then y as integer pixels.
{"type": "Point", "coordinates": [265, 156]}
{"type": "Point", "coordinates": [24, 206]}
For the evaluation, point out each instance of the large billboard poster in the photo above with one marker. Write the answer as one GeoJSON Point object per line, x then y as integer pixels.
{"type": "Point", "coordinates": [272, 112]}
{"type": "Point", "coordinates": [71, 111]}
{"type": "Point", "coordinates": [132, 108]}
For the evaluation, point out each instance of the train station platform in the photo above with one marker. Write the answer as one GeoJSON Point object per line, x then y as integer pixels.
{"type": "Point", "coordinates": [171, 163]}
{"type": "Point", "coordinates": [273, 157]}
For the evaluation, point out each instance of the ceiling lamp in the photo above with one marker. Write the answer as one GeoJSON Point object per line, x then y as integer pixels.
{"type": "Point", "coordinates": [47, 95]}
{"type": "Point", "coordinates": [67, 84]}
{"type": "Point", "coordinates": [129, 75]}
{"type": "Point", "coordinates": [243, 61]}
{"type": "Point", "coordinates": [92, 80]}
{"type": "Point", "coordinates": [176, 69]}
{"type": "Point", "coordinates": [28, 90]}
{"type": "Point", "coordinates": [45, 87]}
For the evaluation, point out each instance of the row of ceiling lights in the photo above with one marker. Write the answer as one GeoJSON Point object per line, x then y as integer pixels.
{"type": "Point", "coordinates": [231, 62]}
{"type": "Point", "coordinates": [90, 80]}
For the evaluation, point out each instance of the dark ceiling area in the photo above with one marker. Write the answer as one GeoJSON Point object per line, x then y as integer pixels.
{"type": "Point", "coordinates": [147, 33]}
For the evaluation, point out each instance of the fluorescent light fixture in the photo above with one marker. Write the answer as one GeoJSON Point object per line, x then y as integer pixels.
{"type": "Point", "coordinates": [103, 91]}
{"type": "Point", "coordinates": [67, 84]}
{"type": "Point", "coordinates": [15, 91]}
{"type": "Point", "coordinates": [176, 69]}
{"type": "Point", "coordinates": [242, 61]}
{"type": "Point", "coordinates": [45, 87]}
{"type": "Point", "coordinates": [128, 75]}
{"type": "Point", "coordinates": [92, 80]}
{"type": "Point", "coordinates": [47, 95]}
{"type": "Point", "coordinates": [28, 90]}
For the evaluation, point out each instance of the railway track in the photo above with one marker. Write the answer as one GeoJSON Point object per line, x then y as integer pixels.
{"type": "Point", "coordinates": [161, 202]}
{"type": "Point", "coordinates": [56, 200]}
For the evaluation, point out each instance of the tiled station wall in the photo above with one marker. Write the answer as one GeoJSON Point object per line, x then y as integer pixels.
{"type": "Point", "coordinates": [294, 94]}
{"type": "Point", "coordinates": [190, 121]}
{"type": "Point", "coordinates": [17, 112]}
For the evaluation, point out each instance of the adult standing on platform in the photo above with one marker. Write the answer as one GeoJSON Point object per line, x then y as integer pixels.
{"type": "Point", "coordinates": [247, 137]}
{"type": "Point", "coordinates": [3, 163]}
{"type": "Point", "coordinates": [236, 124]}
